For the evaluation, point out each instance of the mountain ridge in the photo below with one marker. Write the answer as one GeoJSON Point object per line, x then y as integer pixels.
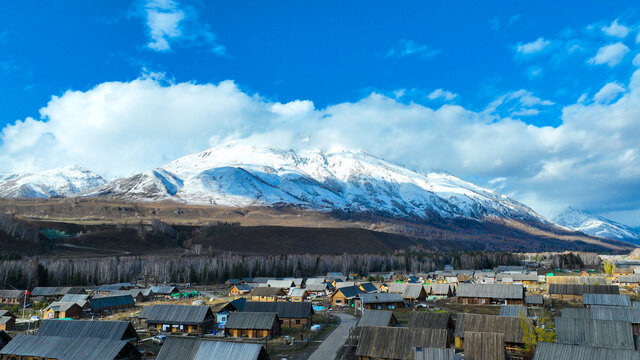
{"type": "Point", "coordinates": [594, 225]}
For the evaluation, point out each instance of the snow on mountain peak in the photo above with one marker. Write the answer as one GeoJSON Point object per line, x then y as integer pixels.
{"type": "Point", "coordinates": [596, 225]}
{"type": "Point", "coordinates": [240, 175]}
{"type": "Point", "coordinates": [59, 182]}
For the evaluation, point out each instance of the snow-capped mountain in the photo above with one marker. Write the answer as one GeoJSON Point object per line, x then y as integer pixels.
{"type": "Point", "coordinates": [60, 182]}
{"type": "Point", "coordinates": [596, 225]}
{"type": "Point", "coordinates": [241, 176]}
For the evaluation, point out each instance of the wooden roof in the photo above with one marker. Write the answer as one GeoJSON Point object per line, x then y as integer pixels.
{"type": "Point", "coordinates": [398, 343]}
{"type": "Point", "coordinates": [430, 320]}
{"type": "Point", "coordinates": [483, 346]}
{"type": "Point", "coordinates": [509, 326]}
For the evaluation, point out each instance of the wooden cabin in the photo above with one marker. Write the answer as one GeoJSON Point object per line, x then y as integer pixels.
{"type": "Point", "coordinates": [13, 297]}
{"type": "Point", "coordinates": [298, 295]}
{"type": "Point", "coordinates": [240, 290]}
{"type": "Point", "coordinates": [476, 323]}
{"type": "Point", "coordinates": [268, 294]}
{"type": "Point", "coordinates": [379, 301]}
{"type": "Point", "coordinates": [253, 325]}
{"type": "Point", "coordinates": [576, 291]}
{"type": "Point", "coordinates": [190, 319]}
{"type": "Point", "coordinates": [188, 348]}
{"type": "Point", "coordinates": [345, 296]}
{"type": "Point", "coordinates": [386, 343]}
{"type": "Point", "coordinates": [290, 314]}
{"type": "Point", "coordinates": [491, 294]}
{"type": "Point", "coordinates": [63, 310]}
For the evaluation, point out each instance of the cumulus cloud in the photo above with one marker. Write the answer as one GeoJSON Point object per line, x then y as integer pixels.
{"type": "Point", "coordinates": [404, 48]}
{"type": "Point", "coordinates": [168, 22]}
{"type": "Point", "coordinates": [533, 47]}
{"type": "Point", "coordinates": [442, 94]}
{"type": "Point", "coordinates": [590, 161]}
{"type": "Point", "coordinates": [616, 30]}
{"type": "Point", "coordinates": [609, 92]}
{"type": "Point", "coordinates": [610, 54]}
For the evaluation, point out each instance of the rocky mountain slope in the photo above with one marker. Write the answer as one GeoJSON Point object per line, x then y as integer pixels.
{"type": "Point", "coordinates": [597, 226]}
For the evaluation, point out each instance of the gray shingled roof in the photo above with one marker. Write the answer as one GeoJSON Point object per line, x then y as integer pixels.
{"type": "Point", "coordinates": [65, 348]}
{"type": "Point", "coordinates": [56, 291]}
{"type": "Point", "coordinates": [509, 326]}
{"type": "Point", "coordinates": [102, 302]}
{"type": "Point", "coordinates": [61, 306]}
{"type": "Point", "coordinates": [74, 297]}
{"type": "Point", "coordinates": [251, 320]}
{"type": "Point", "coordinates": [433, 354]}
{"type": "Point", "coordinates": [185, 348]}
{"type": "Point", "coordinates": [429, 320]}
{"type": "Point", "coordinates": [285, 310]}
{"type": "Point", "coordinates": [553, 351]}
{"type": "Point", "coordinates": [114, 330]}
{"type": "Point", "coordinates": [534, 299]}
{"type": "Point", "coordinates": [484, 345]}
{"type": "Point", "coordinates": [513, 310]}
{"type": "Point", "coordinates": [618, 313]}
{"type": "Point", "coordinates": [413, 291]}
{"type": "Point", "coordinates": [441, 289]}
{"type": "Point", "coordinates": [377, 318]}
{"type": "Point", "coordinates": [12, 294]}
{"type": "Point", "coordinates": [578, 289]}
{"type": "Point", "coordinates": [599, 333]}
{"type": "Point", "coordinates": [267, 291]}
{"type": "Point", "coordinates": [493, 291]}
{"type": "Point", "coordinates": [380, 298]}
{"type": "Point", "coordinates": [163, 290]}
{"type": "Point", "coordinates": [606, 299]}
{"type": "Point", "coordinates": [176, 314]}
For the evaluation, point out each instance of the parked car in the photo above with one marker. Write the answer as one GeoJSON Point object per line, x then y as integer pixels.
{"type": "Point", "coordinates": [159, 339]}
{"type": "Point", "coordinates": [35, 318]}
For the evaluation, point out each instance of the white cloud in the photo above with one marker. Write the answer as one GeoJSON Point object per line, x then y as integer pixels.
{"type": "Point", "coordinates": [636, 60]}
{"type": "Point", "coordinates": [404, 48]}
{"type": "Point", "coordinates": [517, 103]}
{"type": "Point", "coordinates": [616, 30]}
{"type": "Point", "coordinates": [533, 47]}
{"type": "Point", "coordinates": [117, 128]}
{"type": "Point", "coordinates": [609, 92]}
{"type": "Point", "coordinates": [167, 22]}
{"type": "Point", "coordinates": [442, 94]}
{"type": "Point", "coordinates": [610, 54]}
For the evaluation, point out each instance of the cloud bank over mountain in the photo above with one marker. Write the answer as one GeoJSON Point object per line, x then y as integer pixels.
{"type": "Point", "coordinates": [590, 161]}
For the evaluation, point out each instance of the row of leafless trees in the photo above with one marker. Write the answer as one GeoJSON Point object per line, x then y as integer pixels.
{"type": "Point", "coordinates": [30, 272]}
{"type": "Point", "coordinates": [16, 228]}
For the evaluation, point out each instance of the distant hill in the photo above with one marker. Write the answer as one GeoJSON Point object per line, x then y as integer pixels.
{"type": "Point", "coordinates": [275, 187]}
{"type": "Point", "coordinates": [597, 226]}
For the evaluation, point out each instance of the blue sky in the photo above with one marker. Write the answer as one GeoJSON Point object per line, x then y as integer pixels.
{"type": "Point", "coordinates": [530, 78]}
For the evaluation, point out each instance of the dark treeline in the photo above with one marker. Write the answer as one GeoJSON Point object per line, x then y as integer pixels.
{"type": "Point", "coordinates": [30, 272]}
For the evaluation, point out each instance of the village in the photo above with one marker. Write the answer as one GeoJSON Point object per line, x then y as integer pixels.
{"type": "Point", "coordinates": [527, 311]}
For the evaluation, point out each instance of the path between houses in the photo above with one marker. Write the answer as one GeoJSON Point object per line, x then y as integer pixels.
{"type": "Point", "coordinates": [329, 347]}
